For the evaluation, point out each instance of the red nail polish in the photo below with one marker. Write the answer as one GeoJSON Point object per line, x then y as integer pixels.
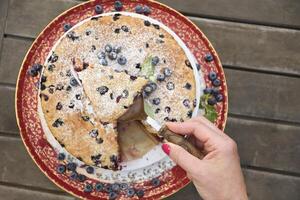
{"type": "Point", "coordinates": [166, 148]}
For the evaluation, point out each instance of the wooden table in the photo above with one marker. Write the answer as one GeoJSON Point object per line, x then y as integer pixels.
{"type": "Point", "coordinates": [259, 45]}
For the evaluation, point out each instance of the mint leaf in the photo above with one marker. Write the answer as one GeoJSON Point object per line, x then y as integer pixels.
{"type": "Point", "coordinates": [147, 68]}
{"type": "Point", "coordinates": [210, 111]}
{"type": "Point", "coordinates": [148, 110]}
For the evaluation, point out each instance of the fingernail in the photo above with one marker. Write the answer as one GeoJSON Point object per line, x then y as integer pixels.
{"type": "Point", "coordinates": [166, 148]}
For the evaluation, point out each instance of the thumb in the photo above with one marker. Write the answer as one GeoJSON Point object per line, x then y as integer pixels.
{"type": "Point", "coordinates": [181, 157]}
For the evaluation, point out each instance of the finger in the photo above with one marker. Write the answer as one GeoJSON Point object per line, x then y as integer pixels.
{"type": "Point", "coordinates": [199, 130]}
{"type": "Point", "coordinates": [181, 157]}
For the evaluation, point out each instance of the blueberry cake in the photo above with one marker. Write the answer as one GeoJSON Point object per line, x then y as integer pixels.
{"type": "Point", "coordinates": [95, 71]}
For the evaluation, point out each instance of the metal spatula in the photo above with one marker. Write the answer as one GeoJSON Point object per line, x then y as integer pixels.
{"type": "Point", "coordinates": [136, 112]}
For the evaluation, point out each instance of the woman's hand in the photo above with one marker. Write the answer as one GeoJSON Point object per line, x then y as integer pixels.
{"type": "Point", "coordinates": [218, 176]}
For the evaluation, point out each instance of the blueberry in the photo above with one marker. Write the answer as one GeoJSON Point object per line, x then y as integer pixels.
{"type": "Point", "coordinates": [190, 113]}
{"type": "Point", "coordinates": [155, 182]}
{"type": "Point", "coordinates": [130, 192]}
{"type": "Point", "coordinates": [73, 175]}
{"type": "Point", "coordinates": [103, 62]}
{"type": "Point", "coordinates": [88, 188]}
{"type": "Point", "coordinates": [71, 166]}
{"type": "Point", "coordinates": [156, 101]}
{"type": "Point", "coordinates": [101, 55]}
{"type": "Point", "coordinates": [112, 195]}
{"type": "Point", "coordinates": [215, 91]}
{"type": "Point", "coordinates": [99, 187]}
{"type": "Point", "coordinates": [160, 77]}
{"type": "Point", "coordinates": [115, 187]}
{"type": "Point", "coordinates": [43, 87]}
{"type": "Point", "coordinates": [58, 122]}
{"type": "Point", "coordinates": [124, 186]}
{"type": "Point", "coordinates": [155, 61]}
{"type": "Point", "coordinates": [118, 5]}
{"type": "Point", "coordinates": [139, 9]}
{"type": "Point", "coordinates": [99, 140]}
{"type": "Point", "coordinates": [94, 133]}
{"type": "Point", "coordinates": [212, 76]}
{"type": "Point", "coordinates": [140, 193]}
{"type": "Point", "coordinates": [90, 170]}
{"type": "Point", "coordinates": [207, 91]}
{"type": "Point", "coordinates": [147, 23]}
{"type": "Point", "coordinates": [125, 94]}
{"type": "Point", "coordinates": [122, 60]}
{"type": "Point", "coordinates": [208, 57]}
{"type": "Point", "coordinates": [167, 72]}
{"type": "Point", "coordinates": [212, 101]}
{"type": "Point", "coordinates": [156, 26]}
{"type": "Point", "coordinates": [148, 89]}
{"type": "Point", "coordinates": [108, 48]}
{"type": "Point", "coordinates": [61, 156]}
{"type": "Point", "coordinates": [32, 72]}
{"type": "Point", "coordinates": [81, 177]}
{"type": "Point", "coordinates": [43, 79]}
{"type": "Point", "coordinates": [147, 10]}
{"type": "Point", "coordinates": [117, 49]}
{"type": "Point", "coordinates": [125, 28]}
{"type": "Point", "coordinates": [112, 55]}
{"type": "Point", "coordinates": [170, 86]}
{"type": "Point", "coordinates": [67, 27]}
{"type": "Point", "coordinates": [186, 103]}
{"type": "Point", "coordinates": [102, 90]}
{"type": "Point", "coordinates": [51, 67]}
{"type": "Point", "coordinates": [117, 30]}
{"type": "Point", "coordinates": [61, 168]}
{"type": "Point", "coordinates": [74, 82]}
{"type": "Point", "coordinates": [198, 66]}
{"type": "Point", "coordinates": [153, 85]}
{"type": "Point", "coordinates": [219, 97]}
{"type": "Point", "coordinates": [167, 109]}
{"type": "Point", "coordinates": [108, 188]}
{"type": "Point", "coordinates": [216, 82]}
{"type": "Point", "coordinates": [188, 86]}
{"type": "Point", "coordinates": [98, 9]}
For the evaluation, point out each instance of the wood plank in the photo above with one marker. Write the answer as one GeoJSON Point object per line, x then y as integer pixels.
{"type": "Point", "coordinates": [16, 166]}
{"type": "Point", "coordinates": [13, 53]}
{"type": "Point", "coordinates": [279, 12]}
{"type": "Point", "coordinates": [23, 15]}
{"type": "Point", "coordinates": [3, 14]}
{"type": "Point", "coordinates": [189, 192]}
{"type": "Point", "coordinates": [8, 122]}
{"type": "Point", "coordinates": [254, 47]}
{"type": "Point", "coordinates": [265, 144]}
{"type": "Point", "coordinates": [263, 95]}
{"type": "Point", "coordinates": [264, 185]}
{"type": "Point", "coordinates": [14, 193]}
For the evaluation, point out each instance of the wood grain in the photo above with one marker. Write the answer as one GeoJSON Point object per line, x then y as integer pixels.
{"type": "Point", "coordinates": [7, 117]}
{"type": "Point", "coordinates": [253, 47]}
{"type": "Point", "coordinates": [15, 193]}
{"type": "Point", "coordinates": [274, 12]}
{"type": "Point", "coordinates": [264, 185]}
{"type": "Point", "coordinates": [23, 15]}
{"type": "Point", "coordinates": [267, 145]}
{"type": "Point", "coordinates": [13, 53]}
{"type": "Point", "coordinates": [3, 14]}
{"type": "Point", "coordinates": [16, 166]}
{"type": "Point", "coordinates": [263, 95]}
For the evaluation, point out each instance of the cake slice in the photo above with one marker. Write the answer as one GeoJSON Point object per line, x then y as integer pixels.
{"type": "Point", "coordinates": [110, 92]}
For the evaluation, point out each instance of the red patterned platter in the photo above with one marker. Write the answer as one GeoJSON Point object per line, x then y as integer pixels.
{"type": "Point", "coordinates": [163, 177]}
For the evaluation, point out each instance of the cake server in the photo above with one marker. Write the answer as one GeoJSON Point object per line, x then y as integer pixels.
{"type": "Point", "coordinates": [137, 112]}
